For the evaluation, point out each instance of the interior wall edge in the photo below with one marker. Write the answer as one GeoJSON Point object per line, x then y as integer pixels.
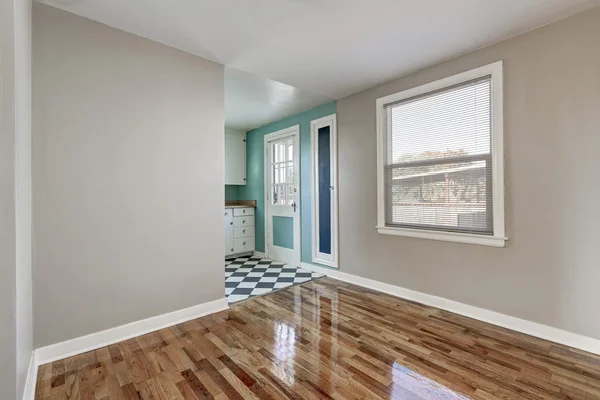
{"type": "Point", "coordinates": [31, 378]}
{"type": "Point", "coordinates": [23, 190]}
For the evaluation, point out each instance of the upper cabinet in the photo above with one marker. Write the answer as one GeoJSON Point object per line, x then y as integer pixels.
{"type": "Point", "coordinates": [235, 158]}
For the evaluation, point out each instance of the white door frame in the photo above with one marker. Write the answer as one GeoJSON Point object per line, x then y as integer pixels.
{"type": "Point", "coordinates": [294, 132]}
{"type": "Point", "coordinates": [330, 260]}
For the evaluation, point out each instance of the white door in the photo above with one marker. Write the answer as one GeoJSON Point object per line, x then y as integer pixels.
{"type": "Point", "coordinates": [282, 195]}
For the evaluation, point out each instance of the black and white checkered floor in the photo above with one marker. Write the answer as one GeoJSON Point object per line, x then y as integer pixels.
{"type": "Point", "coordinates": [251, 276]}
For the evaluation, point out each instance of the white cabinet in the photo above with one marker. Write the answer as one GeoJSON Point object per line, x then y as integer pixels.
{"type": "Point", "coordinates": [243, 245]}
{"type": "Point", "coordinates": [235, 158]}
{"type": "Point", "coordinates": [243, 221]}
{"type": "Point", "coordinates": [228, 231]}
{"type": "Point", "coordinates": [239, 231]}
{"type": "Point", "coordinates": [243, 231]}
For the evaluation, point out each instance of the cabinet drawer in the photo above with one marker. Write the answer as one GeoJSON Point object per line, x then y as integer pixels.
{"type": "Point", "coordinates": [239, 212]}
{"type": "Point", "coordinates": [243, 245]}
{"type": "Point", "coordinates": [243, 221]}
{"type": "Point", "coordinates": [243, 231]}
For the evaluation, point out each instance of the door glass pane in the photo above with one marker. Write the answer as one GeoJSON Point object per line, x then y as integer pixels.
{"type": "Point", "coordinates": [282, 172]}
{"type": "Point", "coordinates": [324, 172]}
{"type": "Point", "coordinates": [283, 232]}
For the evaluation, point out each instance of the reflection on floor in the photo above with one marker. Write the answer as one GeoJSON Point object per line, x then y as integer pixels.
{"type": "Point", "coordinates": [326, 339]}
{"type": "Point", "coordinates": [252, 276]}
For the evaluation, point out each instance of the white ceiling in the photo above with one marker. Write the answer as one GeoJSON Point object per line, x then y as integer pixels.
{"type": "Point", "coordinates": [252, 101]}
{"type": "Point", "coordinates": [332, 48]}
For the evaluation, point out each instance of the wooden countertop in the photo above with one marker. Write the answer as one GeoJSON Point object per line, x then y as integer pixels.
{"type": "Point", "coordinates": [240, 204]}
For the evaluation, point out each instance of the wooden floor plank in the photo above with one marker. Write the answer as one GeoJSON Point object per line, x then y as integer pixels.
{"type": "Point", "coordinates": [326, 339]}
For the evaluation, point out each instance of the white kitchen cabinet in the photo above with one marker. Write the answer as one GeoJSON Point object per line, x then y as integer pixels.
{"type": "Point", "coordinates": [235, 158]}
{"type": "Point", "coordinates": [239, 231]}
{"type": "Point", "coordinates": [243, 231]}
{"type": "Point", "coordinates": [243, 245]}
{"type": "Point", "coordinates": [243, 221]}
{"type": "Point", "coordinates": [228, 231]}
{"type": "Point", "coordinates": [242, 212]}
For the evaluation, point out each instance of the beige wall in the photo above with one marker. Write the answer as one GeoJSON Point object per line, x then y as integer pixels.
{"type": "Point", "coordinates": [128, 177]}
{"type": "Point", "coordinates": [16, 330]}
{"type": "Point", "coordinates": [8, 337]}
{"type": "Point", "coordinates": [550, 270]}
{"type": "Point", "coordinates": [24, 304]}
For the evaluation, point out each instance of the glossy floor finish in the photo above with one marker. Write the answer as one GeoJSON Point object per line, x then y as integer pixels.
{"type": "Point", "coordinates": [321, 340]}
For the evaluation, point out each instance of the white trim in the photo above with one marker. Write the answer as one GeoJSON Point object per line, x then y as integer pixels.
{"type": "Point", "coordinates": [94, 341]}
{"type": "Point", "coordinates": [497, 94]}
{"type": "Point", "coordinates": [31, 380]}
{"type": "Point", "coordinates": [444, 236]}
{"type": "Point", "coordinates": [293, 131]}
{"type": "Point", "coordinates": [259, 254]}
{"type": "Point", "coordinates": [492, 317]}
{"type": "Point", "coordinates": [321, 261]}
{"type": "Point", "coordinates": [330, 260]}
{"type": "Point", "coordinates": [495, 70]}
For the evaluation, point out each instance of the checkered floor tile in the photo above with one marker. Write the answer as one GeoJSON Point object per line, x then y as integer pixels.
{"type": "Point", "coordinates": [251, 276]}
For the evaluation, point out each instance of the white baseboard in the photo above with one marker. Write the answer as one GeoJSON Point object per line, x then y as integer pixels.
{"type": "Point", "coordinates": [506, 321]}
{"type": "Point", "coordinates": [94, 341]}
{"type": "Point", "coordinates": [29, 392]}
{"type": "Point", "coordinates": [258, 254]}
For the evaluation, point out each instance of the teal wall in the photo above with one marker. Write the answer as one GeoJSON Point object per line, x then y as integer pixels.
{"type": "Point", "coordinates": [255, 190]}
{"type": "Point", "coordinates": [232, 192]}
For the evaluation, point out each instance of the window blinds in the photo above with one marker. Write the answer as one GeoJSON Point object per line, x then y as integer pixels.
{"type": "Point", "coordinates": [438, 163]}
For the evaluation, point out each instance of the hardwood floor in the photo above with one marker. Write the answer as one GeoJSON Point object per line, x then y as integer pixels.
{"type": "Point", "coordinates": [321, 340]}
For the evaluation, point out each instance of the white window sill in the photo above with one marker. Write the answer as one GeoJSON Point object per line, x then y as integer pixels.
{"type": "Point", "coordinates": [483, 240]}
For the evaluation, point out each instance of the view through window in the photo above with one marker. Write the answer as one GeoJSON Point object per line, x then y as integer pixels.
{"type": "Point", "coordinates": [438, 160]}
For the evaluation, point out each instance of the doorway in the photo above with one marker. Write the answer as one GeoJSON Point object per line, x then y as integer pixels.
{"type": "Point", "coordinates": [282, 195]}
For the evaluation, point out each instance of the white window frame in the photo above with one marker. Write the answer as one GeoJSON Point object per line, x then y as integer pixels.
{"type": "Point", "coordinates": [330, 260]}
{"type": "Point", "coordinates": [498, 239]}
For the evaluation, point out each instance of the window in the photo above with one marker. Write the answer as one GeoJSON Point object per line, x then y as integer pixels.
{"type": "Point", "coordinates": [440, 160]}
{"type": "Point", "coordinates": [323, 136]}
{"type": "Point", "coordinates": [281, 160]}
